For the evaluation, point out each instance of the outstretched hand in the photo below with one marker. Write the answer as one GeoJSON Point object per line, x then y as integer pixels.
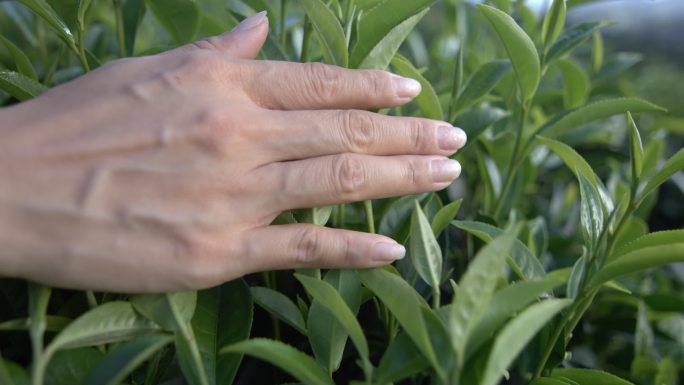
{"type": "Point", "coordinates": [164, 172]}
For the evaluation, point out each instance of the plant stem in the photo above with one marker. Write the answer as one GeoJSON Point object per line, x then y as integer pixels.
{"type": "Point", "coordinates": [513, 164]}
{"type": "Point", "coordinates": [370, 220]}
{"type": "Point", "coordinates": [120, 28]}
{"type": "Point", "coordinates": [306, 40]}
{"type": "Point", "coordinates": [554, 338]}
{"type": "Point", "coordinates": [90, 298]}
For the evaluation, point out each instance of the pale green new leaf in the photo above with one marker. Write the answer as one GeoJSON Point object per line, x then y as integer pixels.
{"type": "Point", "coordinates": [636, 149]}
{"type": "Point", "coordinates": [522, 258]}
{"type": "Point", "coordinates": [19, 86]}
{"type": "Point", "coordinates": [279, 306]}
{"type": "Point", "coordinates": [577, 275]}
{"type": "Point", "coordinates": [331, 299]}
{"type": "Point", "coordinates": [301, 366]}
{"type": "Point", "coordinates": [112, 322]}
{"type": "Point", "coordinates": [672, 166]}
{"type": "Point", "coordinates": [553, 22]}
{"type": "Point", "coordinates": [576, 84]}
{"type": "Point", "coordinates": [589, 376]}
{"type": "Point", "coordinates": [516, 335]}
{"type": "Point", "coordinates": [572, 38]}
{"type": "Point", "coordinates": [21, 61]}
{"type": "Point", "coordinates": [427, 100]}
{"type": "Point", "coordinates": [658, 238]}
{"type": "Point", "coordinates": [475, 291]}
{"type": "Point", "coordinates": [383, 52]}
{"type": "Point", "coordinates": [481, 83]}
{"type": "Point", "coordinates": [377, 23]}
{"type": "Point", "coordinates": [180, 18]}
{"type": "Point", "coordinates": [330, 31]}
{"type": "Point", "coordinates": [591, 211]}
{"type": "Point", "coordinates": [424, 250]}
{"type": "Point", "coordinates": [520, 49]}
{"type": "Point", "coordinates": [121, 361]}
{"type": "Point", "coordinates": [445, 215]}
{"type": "Point", "coordinates": [597, 52]}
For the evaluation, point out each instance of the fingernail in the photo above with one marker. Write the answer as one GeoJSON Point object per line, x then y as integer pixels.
{"type": "Point", "coordinates": [451, 138]}
{"type": "Point", "coordinates": [406, 87]}
{"type": "Point", "coordinates": [250, 22]}
{"type": "Point", "coordinates": [445, 170]}
{"type": "Point", "coordinates": [388, 252]}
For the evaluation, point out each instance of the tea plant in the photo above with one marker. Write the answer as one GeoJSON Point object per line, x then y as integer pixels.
{"type": "Point", "coordinates": [550, 248]}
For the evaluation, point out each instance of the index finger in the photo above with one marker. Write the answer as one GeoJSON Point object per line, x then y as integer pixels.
{"type": "Point", "coordinates": [311, 86]}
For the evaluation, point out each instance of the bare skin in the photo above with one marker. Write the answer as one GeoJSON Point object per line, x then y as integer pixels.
{"type": "Point", "coordinates": [163, 173]}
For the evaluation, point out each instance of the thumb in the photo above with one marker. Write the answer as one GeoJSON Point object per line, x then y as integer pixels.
{"type": "Point", "coordinates": [244, 41]}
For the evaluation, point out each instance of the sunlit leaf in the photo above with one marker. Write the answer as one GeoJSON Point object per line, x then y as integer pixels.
{"type": "Point", "coordinates": [330, 31]}
{"type": "Point", "coordinates": [427, 100]}
{"type": "Point", "coordinates": [553, 22]}
{"type": "Point", "coordinates": [19, 86]}
{"type": "Point", "coordinates": [425, 253]}
{"type": "Point", "coordinates": [279, 306]}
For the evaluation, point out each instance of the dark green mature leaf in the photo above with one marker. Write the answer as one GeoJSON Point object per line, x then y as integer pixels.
{"type": "Point", "coordinates": [12, 374]}
{"type": "Point", "coordinates": [427, 100]}
{"type": "Point", "coordinates": [589, 376]}
{"type": "Point", "coordinates": [672, 166]}
{"type": "Point", "coordinates": [72, 366]}
{"type": "Point", "coordinates": [326, 336]}
{"type": "Point", "coordinates": [636, 150]}
{"type": "Point", "coordinates": [572, 38]}
{"type": "Point", "coordinates": [482, 82]}
{"type": "Point", "coordinates": [180, 18]}
{"type": "Point", "coordinates": [21, 61]}
{"type": "Point", "coordinates": [330, 31]}
{"type": "Point", "coordinates": [658, 238]}
{"type": "Point", "coordinates": [424, 250]}
{"type": "Point", "coordinates": [333, 301]}
{"type": "Point", "coordinates": [52, 323]}
{"type": "Point", "coordinates": [577, 275]}
{"type": "Point", "coordinates": [475, 291]}
{"type": "Point", "coordinates": [376, 23]}
{"type": "Point", "coordinates": [595, 111]}
{"type": "Point", "coordinates": [404, 303]}
{"type": "Point", "coordinates": [643, 335]}
{"type": "Point", "coordinates": [383, 52]}
{"type": "Point", "coordinates": [547, 381]}
{"type": "Point", "coordinates": [522, 258]}
{"type": "Point", "coordinates": [591, 212]}
{"type": "Point", "coordinates": [133, 12]}
{"type": "Point", "coordinates": [111, 322]}
{"type": "Point", "coordinates": [576, 85]}
{"type": "Point", "coordinates": [445, 215]}
{"type": "Point", "coordinates": [520, 49]}
{"type": "Point", "coordinates": [223, 316]}
{"type": "Point", "coordinates": [158, 307]}
{"type": "Point", "coordinates": [516, 335]}
{"type": "Point", "coordinates": [44, 10]}
{"type": "Point", "coordinates": [301, 366]}
{"type": "Point", "coordinates": [279, 306]}
{"type": "Point", "coordinates": [19, 86]}
{"type": "Point", "coordinates": [401, 359]}
{"type": "Point", "coordinates": [120, 362]}
{"type": "Point", "coordinates": [505, 304]}
{"type": "Point", "coordinates": [476, 120]}
{"type": "Point", "coordinates": [553, 22]}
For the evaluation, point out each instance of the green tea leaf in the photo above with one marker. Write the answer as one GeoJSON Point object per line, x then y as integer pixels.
{"type": "Point", "coordinates": [401, 359]}
{"type": "Point", "coordinates": [589, 376]}
{"type": "Point", "coordinates": [12, 374]}
{"type": "Point", "coordinates": [476, 120]}
{"type": "Point", "coordinates": [424, 250]}
{"type": "Point", "coordinates": [223, 316]}
{"type": "Point", "coordinates": [121, 361]}
{"type": "Point", "coordinates": [404, 303]}
{"type": "Point", "coordinates": [547, 381]}
{"type": "Point", "coordinates": [658, 238]}
{"type": "Point", "coordinates": [21, 61]}
{"type": "Point", "coordinates": [643, 335]}
{"type": "Point", "coordinates": [481, 83]}
{"type": "Point", "coordinates": [52, 323]}
{"type": "Point", "coordinates": [576, 84]}
{"type": "Point", "coordinates": [112, 322]}
{"type": "Point", "coordinates": [19, 86]}
{"type": "Point", "coordinates": [301, 366]}
{"type": "Point", "coordinates": [516, 335]}
{"type": "Point", "coordinates": [572, 38]}
{"type": "Point", "coordinates": [445, 215]}
{"type": "Point", "coordinates": [44, 10]}
{"type": "Point", "coordinates": [577, 275]}
{"type": "Point", "coordinates": [72, 366]}
{"type": "Point", "coordinates": [279, 306]}
{"type": "Point", "coordinates": [475, 291]}
{"type": "Point", "coordinates": [672, 166]}
{"type": "Point", "coordinates": [377, 23]}
{"type": "Point", "coordinates": [331, 299]}
{"type": "Point", "coordinates": [505, 304]}
{"type": "Point", "coordinates": [383, 52]}
{"type": "Point", "coordinates": [636, 150]}
{"type": "Point", "coordinates": [597, 52]}
{"type": "Point", "coordinates": [427, 100]}
{"type": "Point", "coordinates": [180, 18]}
{"type": "Point", "coordinates": [591, 212]}
{"type": "Point", "coordinates": [553, 22]}
{"type": "Point", "coordinates": [330, 31]}
{"type": "Point", "coordinates": [157, 307]}
{"type": "Point", "coordinates": [522, 258]}
{"type": "Point", "coordinates": [595, 111]}
{"type": "Point", "coordinates": [133, 12]}
{"type": "Point", "coordinates": [520, 49]}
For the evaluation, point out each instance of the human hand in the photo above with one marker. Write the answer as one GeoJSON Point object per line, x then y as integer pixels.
{"type": "Point", "coordinates": [163, 173]}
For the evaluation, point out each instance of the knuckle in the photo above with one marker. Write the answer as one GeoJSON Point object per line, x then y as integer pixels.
{"type": "Point", "coordinates": [210, 43]}
{"type": "Point", "coordinates": [358, 128]}
{"type": "Point", "coordinates": [192, 254]}
{"type": "Point", "coordinates": [215, 129]}
{"type": "Point", "coordinates": [379, 82]}
{"type": "Point", "coordinates": [419, 137]}
{"type": "Point", "coordinates": [350, 176]}
{"type": "Point", "coordinates": [323, 81]}
{"type": "Point", "coordinates": [308, 246]}
{"type": "Point", "coordinates": [414, 170]}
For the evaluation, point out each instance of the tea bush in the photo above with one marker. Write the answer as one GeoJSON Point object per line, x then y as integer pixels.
{"type": "Point", "coordinates": [536, 266]}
